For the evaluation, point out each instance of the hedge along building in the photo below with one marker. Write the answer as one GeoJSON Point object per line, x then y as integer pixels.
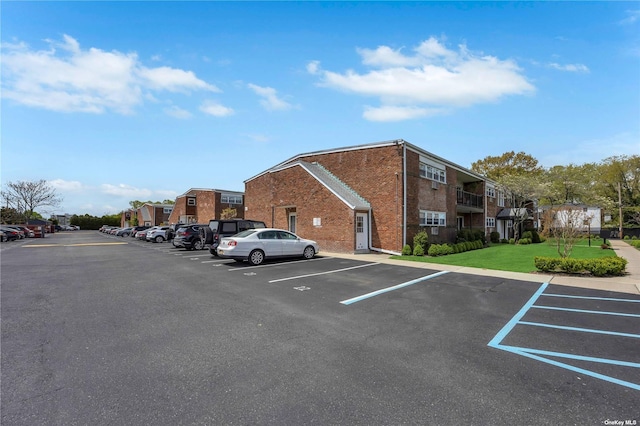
{"type": "Point", "coordinates": [371, 197]}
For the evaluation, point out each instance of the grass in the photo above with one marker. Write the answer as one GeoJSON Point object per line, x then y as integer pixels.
{"type": "Point", "coordinates": [514, 258]}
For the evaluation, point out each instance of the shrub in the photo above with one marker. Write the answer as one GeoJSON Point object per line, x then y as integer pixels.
{"type": "Point", "coordinates": [626, 237]}
{"type": "Point", "coordinates": [597, 267]}
{"type": "Point", "coordinates": [525, 235]}
{"type": "Point", "coordinates": [418, 250]}
{"type": "Point", "coordinates": [504, 241]}
{"type": "Point", "coordinates": [406, 250]}
{"type": "Point", "coordinates": [512, 241]}
{"type": "Point", "coordinates": [634, 238]}
{"type": "Point", "coordinates": [524, 241]}
{"type": "Point", "coordinates": [421, 239]}
{"type": "Point", "coordinates": [494, 237]}
{"type": "Point", "coordinates": [440, 249]}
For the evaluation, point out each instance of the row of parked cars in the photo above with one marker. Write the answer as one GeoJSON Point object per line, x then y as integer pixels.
{"type": "Point", "coordinates": [15, 232]}
{"type": "Point", "coordinates": [238, 239]}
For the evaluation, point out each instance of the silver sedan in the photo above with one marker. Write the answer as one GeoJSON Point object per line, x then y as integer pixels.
{"type": "Point", "coordinates": [256, 245]}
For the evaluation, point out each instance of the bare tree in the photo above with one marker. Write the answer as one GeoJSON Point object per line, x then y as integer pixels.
{"type": "Point", "coordinates": [26, 196]}
{"type": "Point", "coordinates": [565, 224]}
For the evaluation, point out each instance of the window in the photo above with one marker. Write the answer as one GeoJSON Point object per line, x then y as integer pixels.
{"type": "Point", "coordinates": [500, 199]}
{"type": "Point", "coordinates": [430, 172]}
{"type": "Point", "coordinates": [491, 191]}
{"type": "Point", "coordinates": [191, 201]}
{"type": "Point", "coordinates": [231, 199]}
{"type": "Point", "coordinates": [428, 218]}
{"type": "Point", "coordinates": [167, 210]}
{"type": "Point", "coordinates": [491, 222]}
{"type": "Point", "coordinates": [359, 224]}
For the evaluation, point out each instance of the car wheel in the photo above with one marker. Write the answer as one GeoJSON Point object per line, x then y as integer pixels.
{"type": "Point", "coordinates": [197, 245]}
{"type": "Point", "coordinates": [214, 252]}
{"type": "Point", "coordinates": [159, 239]}
{"type": "Point", "coordinates": [256, 257]}
{"type": "Point", "coordinates": [308, 252]}
{"type": "Point", "coordinates": [126, 234]}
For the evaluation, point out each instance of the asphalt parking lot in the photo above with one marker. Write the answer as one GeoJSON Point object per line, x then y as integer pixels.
{"type": "Point", "coordinates": [99, 329]}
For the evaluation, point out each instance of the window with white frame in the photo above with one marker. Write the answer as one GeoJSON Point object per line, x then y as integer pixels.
{"type": "Point", "coordinates": [491, 222]}
{"type": "Point", "coordinates": [191, 201]}
{"type": "Point", "coordinates": [500, 199]}
{"type": "Point", "coordinates": [167, 210]}
{"type": "Point", "coordinates": [434, 173]}
{"type": "Point", "coordinates": [428, 218]}
{"type": "Point", "coordinates": [491, 191]}
{"type": "Point", "coordinates": [231, 199]}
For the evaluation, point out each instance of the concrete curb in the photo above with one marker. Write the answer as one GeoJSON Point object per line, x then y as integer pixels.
{"type": "Point", "coordinates": [628, 284]}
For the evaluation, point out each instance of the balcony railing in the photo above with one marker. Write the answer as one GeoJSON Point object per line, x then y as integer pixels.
{"type": "Point", "coordinates": [469, 199]}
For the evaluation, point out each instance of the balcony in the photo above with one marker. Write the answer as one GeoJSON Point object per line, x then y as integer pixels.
{"type": "Point", "coordinates": [468, 202]}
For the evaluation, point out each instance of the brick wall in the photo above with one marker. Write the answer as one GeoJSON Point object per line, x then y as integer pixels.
{"type": "Point", "coordinates": [272, 196]}
{"type": "Point", "coordinates": [372, 173]}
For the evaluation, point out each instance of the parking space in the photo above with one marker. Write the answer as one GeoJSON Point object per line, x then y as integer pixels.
{"type": "Point", "coordinates": [335, 335]}
{"type": "Point", "coordinates": [578, 330]}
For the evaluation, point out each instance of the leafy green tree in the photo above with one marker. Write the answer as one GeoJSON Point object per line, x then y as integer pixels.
{"type": "Point", "coordinates": [507, 164]}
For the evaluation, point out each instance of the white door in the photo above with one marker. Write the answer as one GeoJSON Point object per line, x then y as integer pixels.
{"type": "Point", "coordinates": [362, 231]}
{"type": "Point", "coordinates": [292, 222]}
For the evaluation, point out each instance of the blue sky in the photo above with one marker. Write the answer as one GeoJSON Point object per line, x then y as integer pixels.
{"type": "Point", "coordinates": [119, 101]}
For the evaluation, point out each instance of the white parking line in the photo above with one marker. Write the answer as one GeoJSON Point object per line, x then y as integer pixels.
{"type": "Point", "coordinates": [395, 287]}
{"type": "Point", "coordinates": [324, 273]}
{"type": "Point", "coordinates": [278, 264]}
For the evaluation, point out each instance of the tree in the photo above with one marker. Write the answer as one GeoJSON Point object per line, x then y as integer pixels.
{"type": "Point", "coordinates": [136, 204]}
{"type": "Point", "coordinates": [26, 196]}
{"type": "Point", "coordinates": [564, 225]}
{"type": "Point", "coordinates": [229, 213]}
{"type": "Point", "coordinates": [507, 164]}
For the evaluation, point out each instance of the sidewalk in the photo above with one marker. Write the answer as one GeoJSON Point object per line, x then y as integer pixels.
{"type": "Point", "coordinates": [629, 283]}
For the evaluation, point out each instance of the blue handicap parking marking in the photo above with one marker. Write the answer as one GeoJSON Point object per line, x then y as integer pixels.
{"type": "Point", "coordinates": [622, 322]}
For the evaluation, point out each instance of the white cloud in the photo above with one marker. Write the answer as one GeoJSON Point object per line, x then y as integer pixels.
{"type": "Point", "coordinates": [69, 79]}
{"type": "Point", "coordinates": [313, 67]}
{"type": "Point", "coordinates": [177, 112]}
{"type": "Point", "coordinates": [173, 80]}
{"type": "Point", "coordinates": [633, 16]}
{"type": "Point", "coordinates": [216, 109]}
{"type": "Point", "coordinates": [434, 76]}
{"type": "Point", "coordinates": [570, 67]}
{"type": "Point", "coordinates": [270, 100]}
{"type": "Point", "coordinates": [123, 190]}
{"type": "Point", "coordinates": [67, 185]}
{"type": "Point", "coordinates": [398, 113]}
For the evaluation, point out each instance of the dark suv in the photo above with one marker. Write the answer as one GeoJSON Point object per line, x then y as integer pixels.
{"type": "Point", "coordinates": [226, 228]}
{"type": "Point", "coordinates": [190, 236]}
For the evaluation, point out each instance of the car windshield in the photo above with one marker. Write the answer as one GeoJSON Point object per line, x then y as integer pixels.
{"type": "Point", "coordinates": [244, 234]}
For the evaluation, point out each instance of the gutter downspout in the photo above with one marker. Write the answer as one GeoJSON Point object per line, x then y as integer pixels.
{"type": "Point", "coordinates": [404, 195]}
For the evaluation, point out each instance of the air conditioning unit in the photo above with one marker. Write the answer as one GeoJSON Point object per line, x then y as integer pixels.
{"type": "Point", "coordinates": [434, 230]}
{"type": "Point", "coordinates": [435, 185]}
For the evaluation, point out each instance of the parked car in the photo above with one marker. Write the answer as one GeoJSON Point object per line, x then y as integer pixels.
{"type": "Point", "coordinates": [138, 228]}
{"type": "Point", "coordinates": [124, 232]}
{"type": "Point", "coordinates": [3, 236]}
{"type": "Point", "coordinates": [226, 228]}
{"type": "Point", "coordinates": [191, 236]}
{"type": "Point", "coordinates": [10, 233]}
{"type": "Point", "coordinates": [28, 233]}
{"type": "Point", "coordinates": [157, 234]}
{"type": "Point", "coordinates": [142, 235]}
{"type": "Point", "coordinates": [256, 245]}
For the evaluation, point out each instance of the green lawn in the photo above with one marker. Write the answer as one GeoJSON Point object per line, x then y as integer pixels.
{"type": "Point", "coordinates": [514, 258]}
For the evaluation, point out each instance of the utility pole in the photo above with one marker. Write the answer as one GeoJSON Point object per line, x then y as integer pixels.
{"type": "Point", "coordinates": [620, 207]}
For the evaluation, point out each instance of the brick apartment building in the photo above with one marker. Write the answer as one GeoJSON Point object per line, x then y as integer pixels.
{"type": "Point", "coordinates": [148, 214]}
{"type": "Point", "coordinates": [201, 205]}
{"type": "Point", "coordinates": [374, 197]}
